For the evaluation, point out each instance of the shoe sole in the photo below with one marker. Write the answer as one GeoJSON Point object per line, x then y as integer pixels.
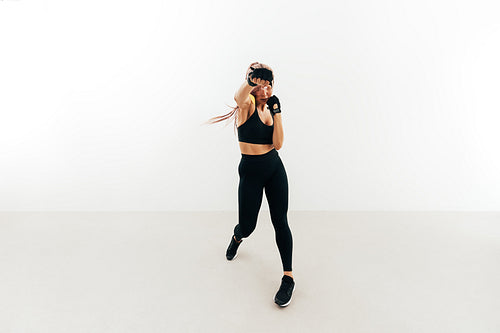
{"type": "Point", "coordinates": [286, 302]}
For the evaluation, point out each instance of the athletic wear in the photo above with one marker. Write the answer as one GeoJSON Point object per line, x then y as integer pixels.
{"type": "Point", "coordinates": [232, 248]}
{"type": "Point", "coordinates": [271, 103]}
{"type": "Point", "coordinates": [284, 294]}
{"type": "Point", "coordinates": [260, 73]}
{"type": "Point", "coordinates": [254, 130]}
{"type": "Point", "coordinates": [260, 173]}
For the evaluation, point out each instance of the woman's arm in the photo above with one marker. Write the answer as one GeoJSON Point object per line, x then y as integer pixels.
{"type": "Point", "coordinates": [242, 96]}
{"type": "Point", "coordinates": [278, 131]}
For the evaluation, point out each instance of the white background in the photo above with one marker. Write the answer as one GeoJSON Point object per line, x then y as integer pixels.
{"type": "Point", "coordinates": [387, 105]}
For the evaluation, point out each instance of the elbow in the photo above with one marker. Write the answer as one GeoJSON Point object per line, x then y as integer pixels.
{"type": "Point", "coordinates": [278, 146]}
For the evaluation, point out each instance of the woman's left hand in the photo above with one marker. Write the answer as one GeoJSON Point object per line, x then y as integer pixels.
{"type": "Point", "coordinates": [273, 103]}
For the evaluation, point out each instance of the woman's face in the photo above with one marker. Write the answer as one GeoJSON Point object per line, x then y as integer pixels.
{"type": "Point", "coordinates": [262, 92]}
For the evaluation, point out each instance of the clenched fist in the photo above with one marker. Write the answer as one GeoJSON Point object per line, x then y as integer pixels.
{"type": "Point", "coordinates": [273, 103]}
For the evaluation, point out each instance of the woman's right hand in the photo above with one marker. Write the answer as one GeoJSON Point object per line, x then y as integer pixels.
{"type": "Point", "coordinates": [260, 82]}
{"type": "Point", "coordinates": [264, 75]}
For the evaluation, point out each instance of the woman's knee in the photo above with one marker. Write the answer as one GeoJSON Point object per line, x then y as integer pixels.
{"type": "Point", "coordinates": [279, 220]}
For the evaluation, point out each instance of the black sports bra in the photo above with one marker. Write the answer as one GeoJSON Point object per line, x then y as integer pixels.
{"type": "Point", "coordinates": [253, 130]}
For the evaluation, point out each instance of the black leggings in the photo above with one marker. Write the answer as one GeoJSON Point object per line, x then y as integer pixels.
{"type": "Point", "coordinates": [258, 172]}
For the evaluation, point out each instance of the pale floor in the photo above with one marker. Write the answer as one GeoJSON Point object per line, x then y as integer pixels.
{"type": "Point", "coordinates": [167, 272]}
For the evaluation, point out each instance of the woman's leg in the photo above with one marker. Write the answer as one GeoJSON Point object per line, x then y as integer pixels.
{"type": "Point", "coordinates": [250, 191]}
{"type": "Point", "coordinates": [277, 196]}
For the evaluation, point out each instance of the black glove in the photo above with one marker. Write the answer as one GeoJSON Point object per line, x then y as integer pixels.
{"type": "Point", "coordinates": [260, 73]}
{"type": "Point", "coordinates": [273, 103]}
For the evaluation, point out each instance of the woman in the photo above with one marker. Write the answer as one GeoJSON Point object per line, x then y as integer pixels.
{"type": "Point", "coordinates": [260, 135]}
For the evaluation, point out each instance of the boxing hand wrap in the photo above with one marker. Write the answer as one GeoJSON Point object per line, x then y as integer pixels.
{"type": "Point", "coordinates": [249, 76]}
{"type": "Point", "coordinates": [273, 103]}
{"type": "Point", "coordinates": [260, 73]}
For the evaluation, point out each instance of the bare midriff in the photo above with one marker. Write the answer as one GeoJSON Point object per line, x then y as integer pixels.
{"type": "Point", "coordinates": [255, 148]}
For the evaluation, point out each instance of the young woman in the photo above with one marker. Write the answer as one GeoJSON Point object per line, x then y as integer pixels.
{"type": "Point", "coordinates": [260, 135]}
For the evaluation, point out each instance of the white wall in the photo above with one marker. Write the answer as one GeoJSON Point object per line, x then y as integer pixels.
{"type": "Point", "coordinates": [387, 105]}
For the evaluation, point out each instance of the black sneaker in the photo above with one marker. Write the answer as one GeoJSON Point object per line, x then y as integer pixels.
{"type": "Point", "coordinates": [284, 294]}
{"type": "Point", "coordinates": [231, 250]}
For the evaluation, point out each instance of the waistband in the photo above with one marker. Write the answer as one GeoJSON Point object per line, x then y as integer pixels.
{"type": "Point", "coordinates": [271, 153]}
